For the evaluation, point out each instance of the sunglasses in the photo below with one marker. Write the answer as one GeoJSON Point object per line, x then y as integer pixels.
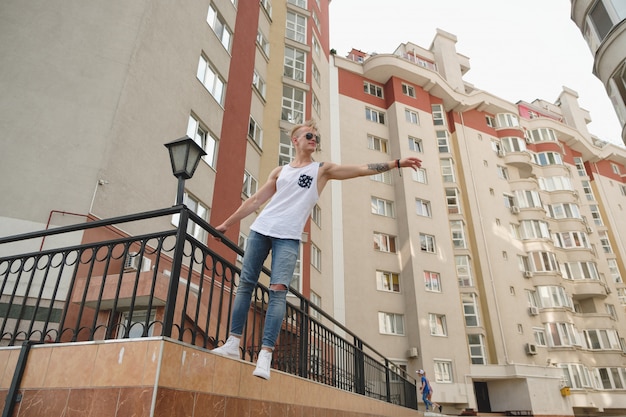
{"type": "Point", "coordinates": [310, 136]}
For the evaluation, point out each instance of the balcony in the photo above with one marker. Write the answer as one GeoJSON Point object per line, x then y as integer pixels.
{"type": "Point", "coordinates": [136, 298]}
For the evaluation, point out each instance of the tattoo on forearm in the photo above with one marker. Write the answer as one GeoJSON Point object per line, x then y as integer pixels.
{"type": "Point", "coordinates": [379, 167]}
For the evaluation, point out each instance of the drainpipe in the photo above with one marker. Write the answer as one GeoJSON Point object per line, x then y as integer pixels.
{"type": "Point", "coordinates": [43, 239]}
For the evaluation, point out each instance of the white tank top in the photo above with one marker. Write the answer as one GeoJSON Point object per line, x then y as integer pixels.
{"type": "Point", "coordinates": [288, 210]}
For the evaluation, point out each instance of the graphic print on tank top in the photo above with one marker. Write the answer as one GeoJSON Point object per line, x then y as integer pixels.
{"type": "Point", "coordinates": [305, 181]}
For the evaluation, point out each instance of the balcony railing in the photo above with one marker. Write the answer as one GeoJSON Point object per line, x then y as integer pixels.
{"type": "Point", "coordinates": [108, 285]}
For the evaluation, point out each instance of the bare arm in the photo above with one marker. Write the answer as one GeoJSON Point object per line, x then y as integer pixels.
{"type": "Point", "coordinates": [343, 172]}
{"type": "Point", "coordinates": [254, 202]}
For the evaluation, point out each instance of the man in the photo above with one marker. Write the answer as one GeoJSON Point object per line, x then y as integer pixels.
{"type": "Point", "coordinates": [294, 189]}
{"type": "Point", "coordinates": [427, 392]}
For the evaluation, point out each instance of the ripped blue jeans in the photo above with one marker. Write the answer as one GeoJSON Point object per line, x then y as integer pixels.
{"type": "Point", "coordinates": [284, 258]}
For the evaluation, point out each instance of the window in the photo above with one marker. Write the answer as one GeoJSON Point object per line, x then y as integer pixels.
{"type": "Point", "coordinates": [542, 135]}
{"type": "Point", "coordinates": [249, 184]}
{"type": "Point", "coordinates": [294, 65]}
{"type": "Point", "coordinates": [579, 270]}
{"type": "Point", "coordinates": [263, 43]}
{"type": "Point", "coordinates": [255, 132]}
{"type": "Point", "coordinates": [543, 261]}
{"type": "Point", "coordinates": [390, 323]}
{"type": "Point", "coordinates": [604, 241]}
{"type": "Point", "coordinates": [595, 214]}
{"type": "Point", "coordinates": [548, 158]}
{"type": "Point", "coordinates": [491, 122]}
{"type": "Point", "coordinates": [534, 229]}
{"type": "Point", "coordinates": [602, 339]}
{"type": "Point", "coordinates": [540, 336]}
{"type": "Point", "coordinates": [137, 323]}
{"type": "Point", "coordinates": [571, 240]}
{"type": "Point", "coordinates": [555, 183]}
{"type": "Point", "coordinates": [432, 281]}
{"type": "Point", "coordinates": [384, 177]}
{"type": "Point", "coordinates": [563, 211]}
{"type": "Point", "coordinates": [222, 31]}
{"type": "Point", "coordinates": [614, 270]}
{"type": "Point", "coordinates": [611, 311]}
{"type": "Point", "coordinates": [415, 144]}
{"type": "Point", "coordinates": [204, 138]}
{"type": "Point", "coordinates": [576, 375]}
{"type": "Point", "coordinates": [419, 175]}
{"type": "Point", "coordinates": [267, 6]}
{"type": "Point", "coordinates": [201, 210]}
{"type": "Point", "coordinates": [408, 90]}
{"type": "Point", "coordinates": [476, 344]}
{"type": "Point", "coordinates": [293, 105]}
{"type": "Point", "coordinates": [211, 79]}
{"type": "Point", "coordinates": [377, 144]}
{"type": "Point", "coordinates": [447, 170]}
{"type": "Point", "coordinates": [315, 103]}
{"type": "Point", "coordinates": [372, 89]}
{"type": "Point", "coordinates": [411, 116]}
{"type": "Point", "coordinates": [387, 281]}
{"type": "Point", "coordinates": [621, 295]}
{"type": "Point", "coordinates": [443, 371]}
{"type": "Point", "coordinates": [437, 324]}
{"type": "Point", "coordinates": [552, 296]}
{"type": "Point", "coordinates": [509, 201]}
{"type": "Point", "coordinates": [259, 83]}
{"type": "Point", "coordinates": [562, 334]}
{"type": "Point", "coordinates": [470, 309]}
{"type": "Point", "coordinates": [384, 243]}
{"type": "Point", "coordinates": [243, 244]}
{"type": "Point", "coordinates": [580, 166]}
{"type": "Point", "coordinates": [296, 27]}
{"type": "Point", "coordinates": [316, 44]}
{"type": "Point", "coordinates": [503, 172]}
{"type": "Point", "coordinates": [458, 234]}
{"type": "Point", "coordinates": [442, 141]}
{"type": "Point", "coordinates": [374, 116]}
{"type": "Point", "coordinates": [438, 115]}
{"type": "Point", "coordinates": [296, 279]}
{"type": "Point", "coordinates": [452, 200]}
{"type": "Point", "coordinates": [588, 191]}
{"type": "Point", "coordinates": [286, 151]}
{"type": "Point", "coordinates": [382, 207]}
{"type": "Point", "coordinates": [464, 270]}
{"type": "Point", "coordinates": [316, 257]}
{"type": "Point", "coordinates": [316, 74]}
{"type": "Point", "coordinates": [513, 144]}
{"type": "Point", "coordinates": [611, 378]}
{"type": "Point", "coordinates": [422, 207]}
{"type": "Point", "coordinates": [507, 120]}
{"type": "Point", "coordinates": [316, 215]}
{"type": "Point", "coordinates": [604, 16]}
{"type": "Point", "coordinates": [299, 3]}
{"type": "Point", "coordinates": [316, 300]}
{"type": "Point", "coordinates": [427, 243]}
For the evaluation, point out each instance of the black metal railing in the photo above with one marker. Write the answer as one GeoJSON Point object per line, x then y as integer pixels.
{"type": "Point", "coordinates": [93, 282]}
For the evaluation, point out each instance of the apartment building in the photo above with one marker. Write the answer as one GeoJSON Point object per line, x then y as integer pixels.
{"type": "Point", "coordinates": [498, 266]}
{"type": "Point", "coordinates": [603, 25]}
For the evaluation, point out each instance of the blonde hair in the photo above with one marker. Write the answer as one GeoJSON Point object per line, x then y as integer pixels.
{"type": "Point", "coordinates": [309, 123]}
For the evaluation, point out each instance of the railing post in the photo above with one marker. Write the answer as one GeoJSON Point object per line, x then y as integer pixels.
{"type": "Point", "coordinates": [359, 367]}
{"type": "Point", "coordinates": [303, 345]}
{"type": "Point", "coordinates": [172, 293]}
{"type": "Point", "coordinates": [11, 397]}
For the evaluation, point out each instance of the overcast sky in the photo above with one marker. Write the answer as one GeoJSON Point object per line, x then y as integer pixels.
{"type": "Point", "coordinates": [518, 50]}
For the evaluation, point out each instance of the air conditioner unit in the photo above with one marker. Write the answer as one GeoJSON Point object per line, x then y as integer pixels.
{"type": "Point", "coordinates": [533, 311]}
{"type": "Point", "coordinates": [514, 209]}
{"type": "Point", "coordinates": [131, 262]}
{"type": "Point", "coordinates": [531, 349]}
{"type": "Point", "coordinates": [528, 274]}
{"type": "Point", "coordinates": [412, 353]}
{"type": "Point", "coordinates": [589, 229]}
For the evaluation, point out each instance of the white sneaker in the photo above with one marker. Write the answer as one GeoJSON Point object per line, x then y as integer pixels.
{"type": "Point", "coordinates": [230, 349]}
{"type": "Point", "coordinates": [263, 363]}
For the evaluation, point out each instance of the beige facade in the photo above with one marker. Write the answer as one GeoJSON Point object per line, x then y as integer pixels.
{"type": "Point", "coordinates": [499, 268]}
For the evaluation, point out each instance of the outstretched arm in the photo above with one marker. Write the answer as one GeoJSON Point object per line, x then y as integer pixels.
{"type": "Point", "coordinates": [253, 202]}
{"type": "Point", "coordinates": [343, 172]}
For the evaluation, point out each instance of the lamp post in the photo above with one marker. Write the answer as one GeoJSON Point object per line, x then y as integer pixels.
{"type": "Point", "coordinates": [185, 154]}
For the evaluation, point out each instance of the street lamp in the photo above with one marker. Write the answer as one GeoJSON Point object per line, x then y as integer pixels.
{"type": "Point", "coordinates": [185, 154]}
